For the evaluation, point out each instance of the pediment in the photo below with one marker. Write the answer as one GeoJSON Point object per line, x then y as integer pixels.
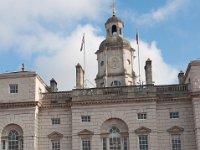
{"type": "Point", "coordinates": [142, 130]}
{"type": "Point", "coordinates": [55, 135]}
{"type": "Point", "coordinates": [175, 129]}
{"type": "Point", "coordinates": [85, 132]}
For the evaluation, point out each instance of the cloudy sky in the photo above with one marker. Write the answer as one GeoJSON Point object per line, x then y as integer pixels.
{"type": "Point", "coordinates": [46, 36]}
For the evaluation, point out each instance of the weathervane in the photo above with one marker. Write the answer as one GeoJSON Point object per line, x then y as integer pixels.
{"type": "Point", "coordinates": [113, 8]}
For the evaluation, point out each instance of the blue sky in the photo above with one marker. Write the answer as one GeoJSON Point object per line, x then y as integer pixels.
{"type": "Point", "coordinates": [46, 35]}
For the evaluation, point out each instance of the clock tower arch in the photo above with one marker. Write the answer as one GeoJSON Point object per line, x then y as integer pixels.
{"type": "Point", "coordinates": [115, 57]}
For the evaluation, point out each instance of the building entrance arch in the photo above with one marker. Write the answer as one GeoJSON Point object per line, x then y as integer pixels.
{"type": "Point", "coordinates": [115, 135]}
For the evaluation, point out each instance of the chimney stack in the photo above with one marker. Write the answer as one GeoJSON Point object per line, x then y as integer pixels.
{"type": "Point", "coordinates": [148, 72]}
{"type": "Point", "coordinates": [181, 77]}
{"type": "Point", "coordinates": [79, 77]}
{"type": "Point", "coordinates": [53, 85]}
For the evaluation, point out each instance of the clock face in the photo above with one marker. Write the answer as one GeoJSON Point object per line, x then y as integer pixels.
{"type": "Point", "coordinates": [114, 62]}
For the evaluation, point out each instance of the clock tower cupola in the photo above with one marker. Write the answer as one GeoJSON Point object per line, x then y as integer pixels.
{"type": "Point", "coordinates": [115, 57]}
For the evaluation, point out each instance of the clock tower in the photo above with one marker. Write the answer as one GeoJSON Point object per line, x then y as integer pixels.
{"type": "Point", "coordinates": [115, 57]}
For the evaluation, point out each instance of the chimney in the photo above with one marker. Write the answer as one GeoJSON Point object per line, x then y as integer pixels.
{"type": "Point", "coordinates": [181, 77]}
{"type": "Point", "coordinates": [53, 85]}
{"type": "Point", "coordinates": [148, 72]}
{"type": "Point", "coordinates": [79, 77]}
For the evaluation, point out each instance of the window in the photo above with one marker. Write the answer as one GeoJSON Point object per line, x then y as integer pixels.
{"type": "Point", "coordinates": [104, 144]}
{"type": "Point", "coordinates": [85, 118]}
{"type": "Point", "coordinates": [13, 140]}
{"type": "Point", "coordinates": [115, 135]}
{"type": "Point", "coordinates": [143, 142]}
{"type": "Point", "coordinates": [13, 88]}
{"type": "Point", "coordinates": [55, 121]}
{"type": "Point", "coordinates": [176, 142]}
{"type": "Point", "coordinates": [3, 144]}
{"type": "Point", "coordinates": [114, 30]}
{"type": "Point", "coordinates": [115, 83]}
{"type": "Point", "coordinates": [102, 63]}
{"type": "Point", "coordinates": [142, 116]}
{"type": "Point", "coordinates": [55, 145]}
{"type": "Point", "coordinates": [174, 115]}
{"type": "Point", "coordinates": [125, 143]}
{"type": "Point", "coordinates": [86, 144]}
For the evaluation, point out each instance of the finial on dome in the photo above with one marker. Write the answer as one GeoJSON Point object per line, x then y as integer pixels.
{"type": "Point", "coordinates": [113, 8]}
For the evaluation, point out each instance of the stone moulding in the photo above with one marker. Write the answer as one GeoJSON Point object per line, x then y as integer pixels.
{"type": "Point", "coordinates": [175, 130]}
{"type": "Point", "coordinates": [85, 133]}
{"type": "Point", "coordinates": [55, 135]}
{"type": "Point", "coordinates": [19, 104]}
{"type": "Point", "coordinates": [143, 130]}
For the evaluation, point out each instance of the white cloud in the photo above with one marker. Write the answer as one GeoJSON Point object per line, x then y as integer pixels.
{"type": "Point", "coordinates": [25, 23]}
{"type": "Point", "coordinates": [52, 30]}
{"type": "Point", "coordinates": [61, 66]}
{"type": "Point", "coordinates": [162, 72]}
{"type": "Point", "coordinates": [171, 8]}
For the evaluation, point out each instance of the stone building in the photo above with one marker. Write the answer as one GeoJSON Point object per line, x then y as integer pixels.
{"type": "Point", "coordinates": [116, 115]}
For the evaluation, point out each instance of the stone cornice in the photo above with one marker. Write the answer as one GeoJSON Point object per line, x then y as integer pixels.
{"type": "Point", "coordinates": [175, 130]}
{"type": "Point", "coordinates": [195, 94]}
{"type": "Point", "coordinates": [164, 100]}
{"type": "Point", "coordinates": [110, 101]}
{"type": "Point", "coordinates": [19, 104]}
{"type": "Point", "coordinates": [142, 130]}
{"type": "Point", "coordinates": [49, 106]}
{"type": "Point", "coordinates": [55, 135]}
{"type": "Point", "coordinates": [113, 101]}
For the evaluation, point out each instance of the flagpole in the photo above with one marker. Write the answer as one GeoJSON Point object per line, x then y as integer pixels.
{"type": "Point", "coordinates": [84, 62]}
{"type": "Point", "coordinates": [84, 57]}
{"type": "Point", "coordinates": [138, 47]}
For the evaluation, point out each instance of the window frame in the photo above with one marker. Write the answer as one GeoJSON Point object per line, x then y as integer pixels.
{"type": "Point", "coordinates": [142, 116]}
{"type": "Point", "coordinates": [174, 115]}
{"type": "Point", "coordinates": [55, 144]}
{"type": "Point", "coordinates": [143, 144]}
{"type": "Point", "coordinates": [176, 144]}
{"type": "Point", "coordinates": [55, 121]}
{"type": "Point", "coordinates": [85, 142]}
{"type": "Point", "coordinates": [85, 118]}
{"type": "Point", "coordinates": [13, 88]}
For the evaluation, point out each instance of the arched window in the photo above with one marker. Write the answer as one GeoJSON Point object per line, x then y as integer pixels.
{"type": "Point", "coordinates": [115, 135]}
{"type": "Point", "coordinates": [114, 30]}
{"type": "Point", "coordinates": [115, 83]}
{"type": "Point", "coordinates": [114, 139]}
{"type": "Point", "coordinates": [12, 137]}
{"type": "Point", "coordinates": [13, 140]}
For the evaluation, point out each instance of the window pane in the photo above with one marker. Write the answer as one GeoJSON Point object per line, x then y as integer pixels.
{"type": "Point", "coordinates": [176, 142]}
{"type": "Point", "coordinates": [125, 143]}
{"type": "Point", "coordinates": [174, 115]}
{"type": "Point", "coordinates": [3, 144]}
{"type": "Point", "coordinates": [85, 118]}
{"type": "Point", "coordinates": [55, 121]}
{"type": "Point", "coordinates": [55, 145]}
{"type": "Point", "coordinates": [13, 88]}
{"type": "Point", "coordinates": [142, 115]}
{"type": "Point", "coordinates": [86, 144]}
{"type": "Point", "coordinates": [13, 141]}
{"type": "Point", "coordinates": [104, 144]}
{"type": "Point", "coordinates": [143, 142]}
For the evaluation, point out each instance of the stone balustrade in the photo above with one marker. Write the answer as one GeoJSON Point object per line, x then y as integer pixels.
{"type": "Point", "coordinates": [165, 91]}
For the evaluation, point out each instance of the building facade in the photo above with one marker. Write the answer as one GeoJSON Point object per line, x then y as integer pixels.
{"type": "Point", "coordinates": [116, 115]}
